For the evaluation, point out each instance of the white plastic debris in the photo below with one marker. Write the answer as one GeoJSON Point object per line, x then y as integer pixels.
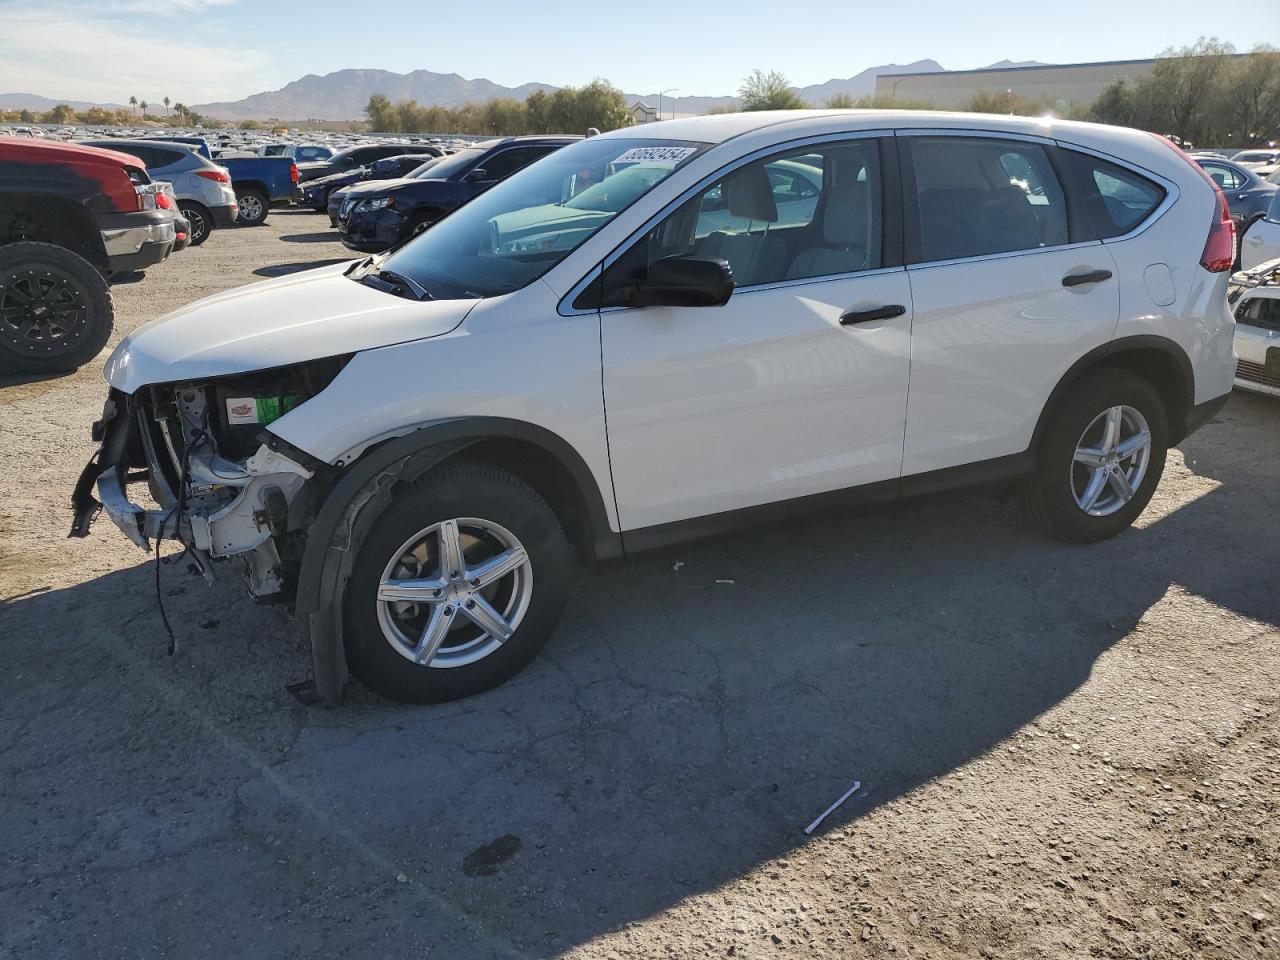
{"type": "Point", "coordinates": [827, 812]}
{"type": "Point", "coordinates": [726, 581]}
{"type": "Point", "coordinates": [678, 565]}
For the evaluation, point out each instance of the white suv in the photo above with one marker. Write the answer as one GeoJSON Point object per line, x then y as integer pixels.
{"type": "Point", "coordinates": [667, 332]}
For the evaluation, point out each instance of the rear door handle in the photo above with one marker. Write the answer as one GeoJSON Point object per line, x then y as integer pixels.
{"type": "Point", "coordinates": [1080, 279]}
{"type": "Point", "coordinates": [887, 312]}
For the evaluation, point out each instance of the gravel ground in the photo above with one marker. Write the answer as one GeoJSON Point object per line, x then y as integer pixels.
{"type": "Point", "coordinates": [1064, 751]}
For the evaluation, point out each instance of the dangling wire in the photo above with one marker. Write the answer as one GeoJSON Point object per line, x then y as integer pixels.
{"type": "Point", "coordinates": [175, 514]}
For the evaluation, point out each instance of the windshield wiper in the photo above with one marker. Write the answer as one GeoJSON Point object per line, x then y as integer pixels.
{"type": "Point", "coordinates": [400, 280]}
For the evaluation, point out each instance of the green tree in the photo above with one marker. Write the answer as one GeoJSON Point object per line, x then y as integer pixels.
{"type": "Point", "coordinates": [840, 101]}
{"type": "Point", "coordinates": [1251, 94]}
{"type": "Point", "coordinates": [133, 102]}
{"type": "Point", "coordinates": [1005, 102]}
{"type": "Point", "coordinates": [250, 125]}
{"type": "Point", "coordinates": [143, 105]}
{"type": "Point", "coordinates": [768, 91]}
{"type": "Point", "coordinates": [62, 113]}
{"type": "Point", "coordinates": [166, 104]}
{"type": "Point", "coordinates": [381, 114]}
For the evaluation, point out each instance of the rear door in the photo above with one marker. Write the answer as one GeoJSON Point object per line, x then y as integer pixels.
{"type": "Point", "coordinates": [1006, 295]}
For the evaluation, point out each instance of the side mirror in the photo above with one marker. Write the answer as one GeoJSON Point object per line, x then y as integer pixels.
{"type": "Point", "coordinates": [686, 282]}
{"type": "Point", "coordinates": [478, 175]}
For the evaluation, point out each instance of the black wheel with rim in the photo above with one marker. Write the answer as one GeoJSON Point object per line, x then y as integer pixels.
{"type": "Point", "coordinates": [457, 586]}
{"type": "Point", "coordinates": [1101, 458]}
{"type": "Point", "coordinates": [253, 207]}
{"type": "Point", "coordinates": [419, 224]}
{"type": "Point", "coordinates": [200, 220]}
{"type": "Point", "coordinates": [55, 309]}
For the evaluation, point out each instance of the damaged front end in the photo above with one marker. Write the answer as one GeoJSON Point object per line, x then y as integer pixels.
{"type": "Point", "coordinates": [219, 481]}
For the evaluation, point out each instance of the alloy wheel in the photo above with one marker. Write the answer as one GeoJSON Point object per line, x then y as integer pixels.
{"type": "Point", "coordinates": [40, 310]}
{"type": "Point", "coordinates": [1110, 460]}
{"type": "Point", "coordinates": [455, 592]}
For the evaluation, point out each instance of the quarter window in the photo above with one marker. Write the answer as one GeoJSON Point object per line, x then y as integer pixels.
{"type": "Point", "coordinates": [980, 196]}
{"type": "Point", "coordinates": [1224, 177]}
{"type": "Point", "coordinates": [803, 214]}
{"type": "Point", "coordinates": [1115, 198]}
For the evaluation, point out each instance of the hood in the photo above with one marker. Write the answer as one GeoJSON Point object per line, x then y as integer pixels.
{"type": "Point", "coordinates": [306, 316]}
{"type": "Point", "coordinates": [381, 186]}
{"type": "Point", "coordinates": [352, 176]}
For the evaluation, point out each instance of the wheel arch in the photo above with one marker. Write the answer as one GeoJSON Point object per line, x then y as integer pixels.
{"type": "Point", "coordinates": [1158, 360]}
{"type": "Point", "coordinates": [52, 219]}
{"type": "Point", "coordinates": [544, 460]}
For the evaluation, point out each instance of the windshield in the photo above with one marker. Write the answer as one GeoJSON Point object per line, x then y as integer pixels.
{"type": "Point", "coordinates": [422, 169]}
{"type": "Point", "coordinates": [521, 228]}
{"type": "Point", "coordinates": [458, 162]}
{"type": "Point", "coordinates": [1255, 156]}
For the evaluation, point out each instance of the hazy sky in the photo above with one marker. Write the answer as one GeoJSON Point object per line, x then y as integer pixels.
{"type": "Point", "coordinates": [201, 50]}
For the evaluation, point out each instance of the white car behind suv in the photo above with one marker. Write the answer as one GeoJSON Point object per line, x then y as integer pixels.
{"type": "Point", "coordinates": [745, 316]}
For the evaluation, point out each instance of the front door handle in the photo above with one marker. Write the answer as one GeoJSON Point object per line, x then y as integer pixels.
{"type": "Point", "coordinates": [1080, 279]}
{"type": "Point", "coordinates": [887, 312]}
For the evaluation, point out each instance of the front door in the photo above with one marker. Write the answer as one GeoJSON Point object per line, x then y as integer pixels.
{"type": "Point", "coordinates": [799, 384]}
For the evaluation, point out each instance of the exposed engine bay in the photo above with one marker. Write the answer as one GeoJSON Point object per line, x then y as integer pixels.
{"type": "Point", "coordinates": [223, 485]}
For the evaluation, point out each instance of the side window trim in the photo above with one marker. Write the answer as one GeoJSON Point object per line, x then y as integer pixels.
{"type": "Point", "coordinates": [891, 191]}
{"type": "Point", "coordinates": [1171, 192]}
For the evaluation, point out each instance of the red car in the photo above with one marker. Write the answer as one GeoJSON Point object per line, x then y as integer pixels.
{"type": "Point", "coordinates": [70, 218]}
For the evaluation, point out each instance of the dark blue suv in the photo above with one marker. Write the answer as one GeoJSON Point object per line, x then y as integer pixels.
{"type": "Point", "coordinates": [375, 216]}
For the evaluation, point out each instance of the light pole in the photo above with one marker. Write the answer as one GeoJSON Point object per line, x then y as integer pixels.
{"type": "Point", "coordinates": [673, 102]}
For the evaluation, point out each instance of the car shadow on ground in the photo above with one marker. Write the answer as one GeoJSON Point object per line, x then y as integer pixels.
{"type": "Point", "coordinates": [284, 269]}
{"type": "Point", "coordinates": [692, 714]}
{"type": "Point", "coordinates": [328, 236]}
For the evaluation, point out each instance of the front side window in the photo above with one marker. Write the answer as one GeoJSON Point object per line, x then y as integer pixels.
{"type": "Point", "coordinates": [515, 232]}
{"type": "Point", "coordinates": [802, 214]}
{"type": "Point", "coordinates": [978, 196]}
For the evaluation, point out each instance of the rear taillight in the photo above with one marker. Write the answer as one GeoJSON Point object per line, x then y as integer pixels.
{"type": "Point", "coordinates": [1219, 253]}
{"type": "Point", "coordinates": [217, 176]}
{"type": "Point", "coordinates": [1220, 247]}
{"type": "Point", "coordinates": [163, 202]}
{"type": "Point", "coordinates": [293, 172]}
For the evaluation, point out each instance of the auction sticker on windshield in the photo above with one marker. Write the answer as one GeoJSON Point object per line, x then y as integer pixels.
{"type": "Point", "coordinates": [668, 154]}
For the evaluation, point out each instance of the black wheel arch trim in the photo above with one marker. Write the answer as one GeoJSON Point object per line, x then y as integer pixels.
{"type": "Point", "coordinates": [1178, 419]}
{"type": "Point", "coordinates": [335, 532]}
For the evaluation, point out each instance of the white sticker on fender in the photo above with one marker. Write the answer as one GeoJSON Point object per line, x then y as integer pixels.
{"type": "Point", "coordinates": [242, 410]}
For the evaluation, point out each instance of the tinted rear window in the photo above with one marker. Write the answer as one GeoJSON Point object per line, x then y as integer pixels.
{"type": "Point", "coordinates": [1116, 199]}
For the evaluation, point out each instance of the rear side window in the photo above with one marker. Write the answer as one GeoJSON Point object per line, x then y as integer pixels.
{"type": "Point", "coordinates": [1115, 199]}
{"type": "Point", "coordinates": [1224, 176]}
{"type": "Point", "coordinates": [982, 196]}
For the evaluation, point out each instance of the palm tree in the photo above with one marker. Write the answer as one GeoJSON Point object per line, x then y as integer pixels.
{"type": "Point", "coordinates": [133, 103]}
{"type": "Point", "coordinates": [143, 105]}
{"type": "Point", "coordinates": [166, 104]}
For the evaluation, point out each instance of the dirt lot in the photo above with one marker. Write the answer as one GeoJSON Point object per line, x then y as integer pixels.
{"type": "Point", "coordinates": [1064, 752]}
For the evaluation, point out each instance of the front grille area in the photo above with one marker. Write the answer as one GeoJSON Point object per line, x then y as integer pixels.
{"type": "Point", "coordinates": [1255, 373]}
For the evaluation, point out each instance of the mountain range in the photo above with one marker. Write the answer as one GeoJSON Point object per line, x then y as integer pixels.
{"type": "Point", "coordinates": [343, 94]}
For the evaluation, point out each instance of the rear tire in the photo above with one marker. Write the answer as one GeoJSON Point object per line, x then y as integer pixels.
{"type": "Point", "coordinates": [494, 514]}
{"type": "Point", "coordinates": [200, 219]}
{"type": "Point", "coordinates": [1086, 487]}
{"type": "Point", "coordinates": [55, 309]}
{"type": "Point", "coordinates": [253, 207]}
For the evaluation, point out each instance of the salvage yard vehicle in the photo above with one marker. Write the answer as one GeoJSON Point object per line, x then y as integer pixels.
{"type": "Point", "coordinates": [362, 156]}
{"type": "Point", "coordinates": [337, 197]}
{"type": "Point", "coordinates": [380, 216]}
{"type": "Point", "coordinates": [261, 183]}
{"type": "Point", "coordinates": [1247, 193]}
{"type": "Point", "coordinates": [1260, 242]}
{"type": "Point", "coordinates": [70, 218]}
{"type": "Point", "coordinates": [315, 193]}
{"type": "Point", "coordinates": [408, 450]}
{"type": "Point", "coordinates": [203, 189]}
{"type": "Point", "coordinates": [1255, 299]}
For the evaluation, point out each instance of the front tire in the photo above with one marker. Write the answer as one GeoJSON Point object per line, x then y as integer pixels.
{"type": "Point", "coordinates": [55, 309]}
{"type": "Point", "coordinates": [1101, 459]}
{"type": "Point", "coordinates": [457, 586]}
